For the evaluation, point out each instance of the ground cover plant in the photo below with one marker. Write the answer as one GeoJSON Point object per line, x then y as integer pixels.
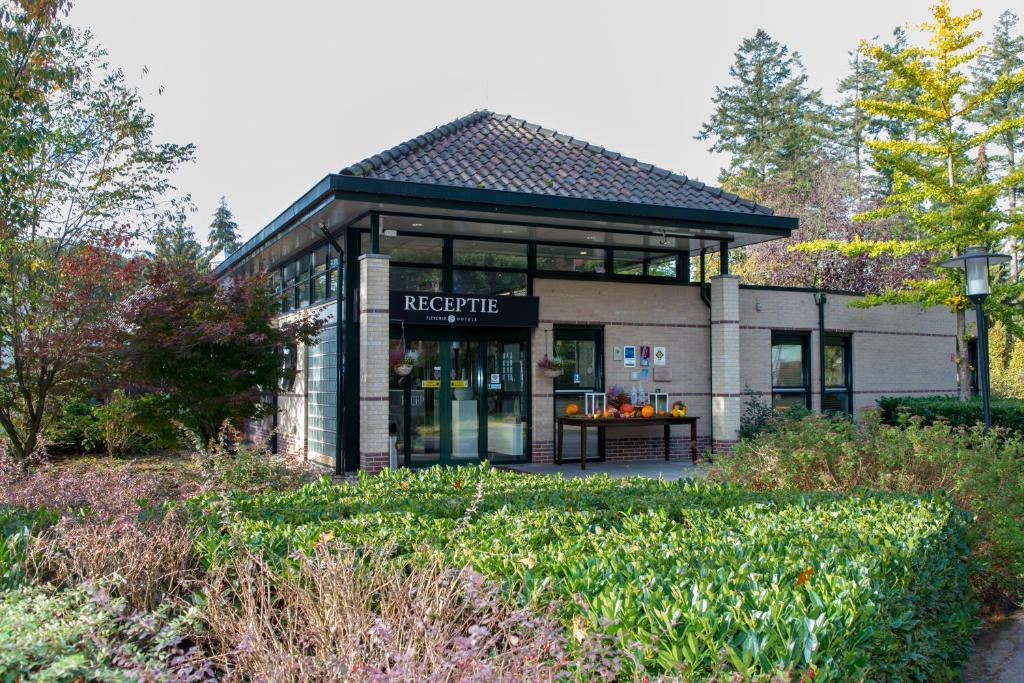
{"type": "Point", "coordinates": [982, 472]}
{"type": "Point", "coordinates": [690, 579]}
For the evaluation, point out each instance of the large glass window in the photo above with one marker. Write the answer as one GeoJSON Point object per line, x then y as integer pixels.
{"type": "Point", "coordinates": [411, 279]}
{"type": "Point", "coordinates": [408, 248]}
{"type": "Point", "coordinates": [489, 282]}
{"type": "Point", "coordinates": [322, 396]}
{"type": "Point", "coordinates": [570, 259]}
{"type": "Point", "coordinates": [318, 286]}
{"type": "Point", "coordinates": [838, 396]}
{"type": "Point", "coordinates": [491, 254]}
{"type": "Point", "coordinates": [580, 349]}
{"type": "Point", "coordinates": [791, 372]}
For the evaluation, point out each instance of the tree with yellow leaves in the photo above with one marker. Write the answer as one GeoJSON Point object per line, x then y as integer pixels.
{"type": "Point", "coordinates": [942, 186]}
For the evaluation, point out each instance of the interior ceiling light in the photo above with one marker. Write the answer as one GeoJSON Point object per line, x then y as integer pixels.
{"type": "Point", "coordinates": [417, 225]}
{"type": "Point", "coordinates": [583, 253]}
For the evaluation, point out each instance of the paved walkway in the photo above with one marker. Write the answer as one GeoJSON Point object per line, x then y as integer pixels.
{"type": "Point", "coordinates": [655, 469]}
{"type": "Point", "coordinates": [998, 652]}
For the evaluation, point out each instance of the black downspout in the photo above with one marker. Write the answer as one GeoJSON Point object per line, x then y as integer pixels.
{"type": "Point", "coordinates": [705, 296]}
{"type": "Point", "coordinates": [820, 299]}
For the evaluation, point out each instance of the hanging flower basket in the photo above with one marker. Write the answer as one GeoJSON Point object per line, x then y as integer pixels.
{"type": "Point", "coordinates": [403, 370]}
{"type": "Point", "coordinates": [550, 367]}
{"type": "Point", "coordinates": [402, 362]}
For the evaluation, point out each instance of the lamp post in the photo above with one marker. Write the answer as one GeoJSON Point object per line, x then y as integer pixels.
{"type": "Point", "coordinates": [976, 261]}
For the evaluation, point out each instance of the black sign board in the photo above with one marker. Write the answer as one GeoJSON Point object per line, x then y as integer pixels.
{"type": "Point", "coordinates": [428, 308]}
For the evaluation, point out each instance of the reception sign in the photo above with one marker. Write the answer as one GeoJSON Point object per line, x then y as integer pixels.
{"type": "Point", "coordinates": [425, 308]}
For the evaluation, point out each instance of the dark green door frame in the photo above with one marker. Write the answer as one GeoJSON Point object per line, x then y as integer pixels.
{"type": "Point", "coordinates": [445, 337]}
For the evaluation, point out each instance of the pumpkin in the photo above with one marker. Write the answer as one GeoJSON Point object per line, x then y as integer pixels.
{"type": "Point", "coordinates": [661, 413]}
{"type": "Point", "coordinates": [626, 409]}
{"type": "Point", "coordinates": [572, 409]}
{"type": "Point", "coordinates": [678, 405]}
{"type": "Point", "coordinates": [647, 411]}
{"type": "Point", "coordinates": [610, 412]}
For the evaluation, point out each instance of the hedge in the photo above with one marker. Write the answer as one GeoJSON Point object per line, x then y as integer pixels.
{"type": "Point", "coordinates": [693, 579]}
{"type": "Point", "coordinates": [1006, 412]}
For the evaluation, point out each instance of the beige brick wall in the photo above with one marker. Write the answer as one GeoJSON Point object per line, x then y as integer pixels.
{"type": "Point", "coordinates": [896, 349]}
{"type": "Point", "coordinates": [374, 344]}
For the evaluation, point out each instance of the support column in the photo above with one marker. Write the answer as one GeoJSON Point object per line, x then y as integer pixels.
{"type": "Point", "coordinates": [374, 325]}
{"type": "Point", "coordinates": [726, 403]}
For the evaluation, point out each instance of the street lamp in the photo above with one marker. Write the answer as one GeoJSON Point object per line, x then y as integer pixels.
{"type": "Point", "coordinates": [976, 261]}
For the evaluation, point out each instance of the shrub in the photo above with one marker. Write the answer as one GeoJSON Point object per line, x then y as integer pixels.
{"type": "Point", "coordinates": [146, 562]}
{"type": "Point", "coordinates": [83, 634]}
{"type": "Point", "coordinates": [342, 615]}
{"type": "Point", "coordinates": [17, 525]}
{"type": "Point", "coordinates": [1006, 412]}
{"type": "Point", "coordinates": [74, 427]}
{"type": "Point", "coordinates": [122, 425]}
{"type": "Point", "coordinates": [683, 575]}
{"type": "Point", "coordinates": [984, 473]}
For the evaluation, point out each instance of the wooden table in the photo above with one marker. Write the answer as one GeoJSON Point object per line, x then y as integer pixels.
{"type": "Point", "coordinates": [602, 423]}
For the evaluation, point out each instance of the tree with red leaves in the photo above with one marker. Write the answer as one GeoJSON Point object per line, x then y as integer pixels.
{"type": "Point", "coordinates": [80, 180]}
{"type": "Point", "coordinates": [211, 349]}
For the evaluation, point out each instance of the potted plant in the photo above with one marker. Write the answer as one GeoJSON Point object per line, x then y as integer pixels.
{"type": "Point", "coordinates": [402, 362]}
{"type": "Point", "coordinates": [551, 367]}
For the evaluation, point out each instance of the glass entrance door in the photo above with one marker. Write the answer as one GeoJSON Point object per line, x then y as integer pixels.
{"type": "Point", "coordinates": [465, 399]}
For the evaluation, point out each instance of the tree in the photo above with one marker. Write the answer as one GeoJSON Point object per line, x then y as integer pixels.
{"type": "Point", "coordinates": [210, 349]}
{"type": "Point", "coordinates": [767, 119]}
{"type": "Point", "coordinates": [82, 177]}
{"type": "Point", "coordinates": [855, 125]}
{"type": "Point", "coordinates": [1004, 57]}
{"type": "Point", "coordinates": [939, 186]}
{"type": "Point", "coordinates": [175, 243]}
{"type": "Point", "coordinates": [223, 231]}
{"type": "Point", "coordinates": [825, 206]}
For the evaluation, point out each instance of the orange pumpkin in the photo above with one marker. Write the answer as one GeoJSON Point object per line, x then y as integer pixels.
{"type": "Point", "coordinates": [661, 413]}
{"type": "Point", "coordinates": [572, 409]}
{"type": "Point", "coordinates": [647, 411]}
{"type": "Point", "coordinates": [626, 409]}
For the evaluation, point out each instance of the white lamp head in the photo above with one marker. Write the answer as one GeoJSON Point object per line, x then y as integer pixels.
{"type": "Point", "coordinates": [976, 261]}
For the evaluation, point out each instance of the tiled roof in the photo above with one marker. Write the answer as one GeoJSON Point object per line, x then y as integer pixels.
{"type": "Point", "coordinates": [497, 152]}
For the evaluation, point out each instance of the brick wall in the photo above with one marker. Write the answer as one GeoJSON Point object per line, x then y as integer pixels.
{"type": "Point", "coordinates": [896, 349]}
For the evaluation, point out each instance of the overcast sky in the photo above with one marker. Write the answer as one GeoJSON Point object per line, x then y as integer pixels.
{"type": "Point", "coordinates": [277, 95]}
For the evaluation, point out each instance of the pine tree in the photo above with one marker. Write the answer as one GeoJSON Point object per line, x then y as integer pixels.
{"type": "Point", "coordinates": [223, 231]}
{"type": "Point", "coordinates": [1005, 56]}
{"type": "Point", "coordinates": [855, 125]}
{"type": "Point", "coordinates": [939, 184]}
{"type": "Point", "coordinates": [175, 243]}
{"type": "Point", "coordinates": [767, 119]}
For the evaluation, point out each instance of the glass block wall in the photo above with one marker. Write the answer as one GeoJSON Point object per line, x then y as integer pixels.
{"type": "Point", "coordinates": [322, 396]}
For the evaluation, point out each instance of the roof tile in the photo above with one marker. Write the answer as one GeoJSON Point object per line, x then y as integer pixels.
{"type": "Point", "coordinates": [499, 152]}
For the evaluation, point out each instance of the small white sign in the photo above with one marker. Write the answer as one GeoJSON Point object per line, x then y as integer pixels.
{"type": "Point", "coordinates": [629, 356]}
{"type": "Point", "coordinates": [659, 355]}
{"type": "Point", "coordinates": [495, 378]}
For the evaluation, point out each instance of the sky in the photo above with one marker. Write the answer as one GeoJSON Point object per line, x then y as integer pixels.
{"type": "Point", "coordinates": [277, 95]}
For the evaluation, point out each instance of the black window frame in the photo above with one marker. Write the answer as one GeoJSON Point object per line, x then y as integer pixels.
{"type": "Point", "coordinates": [804, 340]}
{"type": "Point", "coordinates": [846, 341]}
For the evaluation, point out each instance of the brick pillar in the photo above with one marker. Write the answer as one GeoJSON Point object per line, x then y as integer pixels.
{"type": "Point", "coordinates": [726, 402]}
{"type": "Point", "coordinates": [373, 362]}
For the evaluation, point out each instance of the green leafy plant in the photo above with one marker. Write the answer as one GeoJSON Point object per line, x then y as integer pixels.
{"type": "Point", "coordinates": [984, 473]}
{"type": "Point", "coordinates": [682, 575]}
{"type": "Point", "coordinates": [1006, 412]}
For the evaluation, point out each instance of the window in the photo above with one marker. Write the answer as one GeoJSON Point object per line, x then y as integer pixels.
{"type": "Point", "coordinates": [302, 281]}
{"type": "Point", "coordinates": [581, 352]}
{"type": "Point", "coordinates": [570, 259]}
{"type": "Point", "coordinates": [288, 367]}
{"type": "Point", "coordinates": [407, 248]}
{"type": "Point", "coordinates": [319, 276]}
{"type": "Point", "coordinates": [489, 283]}
{"type": "Point", "coordinates": [791, 372]}
{"type": "Point", "coordinates": [838, 396]}
{"type": "Point", "coordinates": [406, 278]}
{"type": "Point", "coordinates": [649, 263]}
{"type": "Point", "coordinates": [512, 255]}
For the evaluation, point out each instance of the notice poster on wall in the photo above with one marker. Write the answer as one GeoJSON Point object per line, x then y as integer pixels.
{"type": "Point", "coordinates": [629, 356]}
{"type": "Point", "coordinates": [659, 355]}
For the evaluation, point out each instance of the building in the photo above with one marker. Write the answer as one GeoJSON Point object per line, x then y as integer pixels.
{"type": "Point", "coordinates": [483, 245]}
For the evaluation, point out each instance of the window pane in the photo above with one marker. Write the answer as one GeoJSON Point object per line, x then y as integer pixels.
{"type": "Point", "coordinates": [836, 402]}
{"type": "Point", "coordinates": [404, 278]}
{"type": "Point", "coordinates": [628, 262]}
{"type": "Point", "coordinates": [320, 287]}
{"type": "Point", "coordinates": [663, 266]}
{"type": "Point", "coordinates": [489, 282]}
{"type": "Point", "coordinates": [579, 369]}
{"type": "Point", "coordinates": [302, 294]}
{"type": "Point", "coordinates": [835, 365]}
{"type": "Point", "coordinates": [787, 364]}
{"type": "Point", "coordinates": [320, 260]}
{"type": "Point", "coordinates": [784, 401]}
{"type": "Point", "coordinates": [332, 283]}
{"type": "Point", "coordinates": [570, 259]}
{"type": "Point", "coordinates": [497, 254]}
{"type": "Point", "coordinates": [288, 300]}
{"type": "Point", "coordinates": [409, 248]}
